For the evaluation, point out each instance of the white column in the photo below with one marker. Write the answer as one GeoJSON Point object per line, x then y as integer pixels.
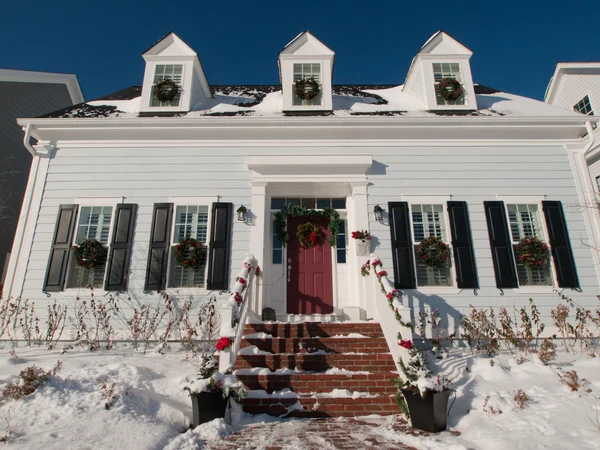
{"type": "Point", "coordinates": [358, 220]}
{"type": "Point", "coordinates": [257, 235]}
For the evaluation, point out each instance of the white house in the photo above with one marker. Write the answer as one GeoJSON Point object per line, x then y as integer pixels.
{"type": "Point", "coordinates": [476, 168]}
{"type": "Point", "coordinates": [575, 86]}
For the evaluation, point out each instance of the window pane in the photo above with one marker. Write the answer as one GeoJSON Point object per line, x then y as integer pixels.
{"type": "Point", "coordinates": [323, 203]}
{"type": "Point", "coordinates": [308, 203]}
{"type": "Point", "coordinates": [293, 201]}
{"type": "Point", "coordinates": [338, 203]}
{"type": "Point", "coordinates": [94, 223]}
{"type": "Point", "coordinates": [277, 203]}
{"type": "Point", "coordinates": [190, 222]}
{"type": "Point", "coordinates": [277, 256]}
{"type": "Point", "coordinates": [167, 72]}
{"type": "Point", "coordinates": [341, 243]}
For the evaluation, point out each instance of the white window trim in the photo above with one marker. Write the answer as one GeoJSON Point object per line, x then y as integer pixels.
{"type": "Point", "coordinates": [190, 201]}
{"type": "Point", "coordinates": [532, 200]}
{"type": "Point", "coordinates": [433, 200]}
{"type": "Point", "coordinates": [82, 202]}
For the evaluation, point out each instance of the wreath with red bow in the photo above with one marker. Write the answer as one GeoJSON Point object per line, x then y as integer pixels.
{"type": "Point", "coordinates": [90, 253]}
{"type": "Point", "coordinates": [309, 234]}
{"type": "Point", "coordinates": [450, 89]}
{"type": "Point", "coordinates": [433, 251]}
{"type": "Point", "coordinates": [307, 88]}
{"type": "Point", "coordinates": [533, 252]}
{"type": "Point", "coordinates": [189, 253]}
{"type": "Point", "coordinates": [166, 90]}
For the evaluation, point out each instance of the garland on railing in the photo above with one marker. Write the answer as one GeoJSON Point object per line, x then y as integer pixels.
{"type": "Point", "coordinates": [392, 295]}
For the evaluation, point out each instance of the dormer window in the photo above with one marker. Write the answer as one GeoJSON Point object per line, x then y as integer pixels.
{"type": "Point", "coordinates": [442, 71]}
{"type": "Point", "coordinates": [584, 106]}
{"type": "Point", "coordinates": [168, 72]}
{"type": "Point", "coordinates": [174, 80]}
{"type": "Point", "coordinates": [306, 71]}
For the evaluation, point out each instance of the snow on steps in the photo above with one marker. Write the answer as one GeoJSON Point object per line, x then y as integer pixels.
{"type": "Point", "coordinates": [311, 362]}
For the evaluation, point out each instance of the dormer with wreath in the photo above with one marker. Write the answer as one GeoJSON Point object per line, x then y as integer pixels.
{"type": "Point", "coordinates": [306, 69]}
{"type": "Point", "coordinates": [174, 79]}
{"type": "Point", "coordinates": [440, 75]}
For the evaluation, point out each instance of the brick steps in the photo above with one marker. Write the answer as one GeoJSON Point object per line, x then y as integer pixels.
{"type": "Point", "coordinates": [322, 406]}
{"type": "Point", "coordinates": [314, 329]}
{"type": "Point", "coordinates": [309, 349]}
{"type": "Point", "coordinates": [373, 383]}
{"type": "Point", "coordinates": [330, 345]}
{"type": "Point", "coordinates": [370, 362]}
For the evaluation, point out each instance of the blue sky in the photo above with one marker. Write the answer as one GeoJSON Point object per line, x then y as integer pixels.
{"type": "Point", "coordinates": [516, 44]}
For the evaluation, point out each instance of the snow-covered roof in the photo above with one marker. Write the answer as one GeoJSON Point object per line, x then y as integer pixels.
{"type": "Point", "coordinates": [348, 100]}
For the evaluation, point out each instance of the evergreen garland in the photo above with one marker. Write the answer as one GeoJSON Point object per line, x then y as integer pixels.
{"type": "Point", "coordinates": [297, 211]}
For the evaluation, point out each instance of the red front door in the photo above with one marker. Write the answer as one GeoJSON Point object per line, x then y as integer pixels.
{"type": "Point", "coordinates": [309, 285]}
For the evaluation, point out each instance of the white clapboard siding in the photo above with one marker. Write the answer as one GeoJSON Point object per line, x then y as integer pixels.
{"type": "Point", "coordinates": [467, 173]}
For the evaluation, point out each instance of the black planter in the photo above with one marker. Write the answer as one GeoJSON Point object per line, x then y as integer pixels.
{"type": "Point", "coordinates": [427, 413]}
{"type": "Point", "coordinates": [208, 406]}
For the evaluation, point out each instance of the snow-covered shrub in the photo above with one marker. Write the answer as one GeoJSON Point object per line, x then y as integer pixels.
{"type": "Point", "coordinates": [32, 377]}
{"type": "Point", "coordinates": [571, 379]}
{"type": "Point", "coordinates": [520, 398]}
{"type": "Point", "coordinates": [92, 323]}
{"type": "Point", "coordinates": [547, 351]}
{"type": "Point", "coordinates": [479, 329]}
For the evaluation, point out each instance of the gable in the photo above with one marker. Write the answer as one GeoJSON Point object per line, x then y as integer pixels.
{"type": "Point", "coordinates": [170, 45]}
{"type": "Point", "coordinates": [306, 44]}
{"type": "Point", "coordinates": [441, 43]}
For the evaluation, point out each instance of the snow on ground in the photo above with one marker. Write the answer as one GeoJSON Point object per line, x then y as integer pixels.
{"type": "Point", "coordinates": [150, 409]}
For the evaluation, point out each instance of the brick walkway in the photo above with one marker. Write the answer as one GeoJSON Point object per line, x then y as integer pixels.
{"type": "Point", "coordinates": [321, 434]}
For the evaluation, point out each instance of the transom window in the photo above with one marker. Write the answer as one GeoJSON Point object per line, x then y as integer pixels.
{"type": "Point", "coordinates": [446, 70]}
{"type": "Point", "coordinates": [584, 106]}
{"type": "Point", "coordinates": [428, 220]}
{"type": "Point", "coordinates": [167, 72]}
{"type": "Point", "coordinates": [93, 223]}
{"type": "Point", "coordinates": [312, 203]}
{"type": "Point", "coordinates": [189, 222]}
{"type": "Point", "coordinates": [303, 71]}
{"type": "Point", "coordinates": [525, 223]}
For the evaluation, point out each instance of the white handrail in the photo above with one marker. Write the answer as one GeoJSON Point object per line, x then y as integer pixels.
{"type": "Point", "coordinates": [395, 323]}
{"type": "Point", "coordinates": [235, 312]}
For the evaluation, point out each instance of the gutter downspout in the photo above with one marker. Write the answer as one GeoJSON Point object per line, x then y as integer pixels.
{"type": "Point", "coordinates": [24, 215]}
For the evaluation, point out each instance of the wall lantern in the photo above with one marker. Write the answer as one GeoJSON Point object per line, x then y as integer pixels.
{"type": "Point", "coordinates": [241, 213]}
{"type": "Point", "coordinates": [378, 210]}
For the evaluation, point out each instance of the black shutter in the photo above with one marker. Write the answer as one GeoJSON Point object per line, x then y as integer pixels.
{"type": "Point", "coordinates": [462, 245]}
{"type": "Point", "coordinates": [158, 251]}
{"type": "Point", "coordinates": [403, 255]}
{"type": "Point", "coordinates": [120, 248]}
{"type": "Point", "coordinates": [56, 272]}
{"type": "Point", "coordinates": [219, 246]}
{"type": "Point", "coordinates": [501, 245]}
{"type": "Point", "coordinates": [560, 244]}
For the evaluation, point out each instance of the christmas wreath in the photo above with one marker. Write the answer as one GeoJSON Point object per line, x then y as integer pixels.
{"type": "Point", "coordinates": [90, 253]}
{"type": "Point", "coordinates": [533, 252]}
{"type": "Point", "coordinates": [307, 88]}
{"type": "Point", "coordinates": [297, 211]}
{"type": "Point", "coordinates": [433, 251]}
{"type": "Point", "coordinates": [189, 253]}
{"type": "Point", "coordinates": [309, 234]}
{"type": "Point", "coordinates": [165, 90]}
{"type": "Point", "coordinates": [450, 89]}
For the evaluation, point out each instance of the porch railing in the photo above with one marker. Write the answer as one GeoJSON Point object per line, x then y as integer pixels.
{"type": "Point", "coordinates": [389, 310]}
{"type": "Point", "coordinates": [234, 312]}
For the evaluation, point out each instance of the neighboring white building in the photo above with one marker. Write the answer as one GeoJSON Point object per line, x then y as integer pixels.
{"type": "Point", "coordinates": [575, 86]}
{"type": "Point", "coordinates": [24, 94]}
{"type": "Point", "coordinates": [479, 172]}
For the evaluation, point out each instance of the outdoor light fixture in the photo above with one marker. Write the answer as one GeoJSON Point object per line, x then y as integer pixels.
{"type": "Point", "coordinates": [378, 210]}
{"type": "Point", "coordinates": [241, 213]}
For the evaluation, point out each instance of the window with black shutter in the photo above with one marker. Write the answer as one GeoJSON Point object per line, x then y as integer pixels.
{"type": "Point", "coordinates": [500, 244]}
{"type": "Point", "coordinates": [120, 247]}
{"type": "Point", "coordinates": [562, 253]}
{"type": "Point", "coordinates": [56, 272]}
{"type": "Point", "coordinates": [462, 245]}
{"type": "Point", "coordinates": [158, 252]}
{"type": "Point", "coordinates": [402, 247]}
{"type": "Point", "coordinates": [220, 246]}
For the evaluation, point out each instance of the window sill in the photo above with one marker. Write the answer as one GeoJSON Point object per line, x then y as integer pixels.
{"type": "Point", "coordinates": [437, 290]}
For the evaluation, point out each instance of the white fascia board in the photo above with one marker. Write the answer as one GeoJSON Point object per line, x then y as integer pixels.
{"type": "Point", "coordinates": [248, 129]}
{"type": "Point", "coordinates": [25, 76]}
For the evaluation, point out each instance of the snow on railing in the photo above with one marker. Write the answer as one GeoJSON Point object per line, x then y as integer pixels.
{"type": "Point", "coordinates": [234, 313]}
{"type": "Point", "coordinates": [396, 326]}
